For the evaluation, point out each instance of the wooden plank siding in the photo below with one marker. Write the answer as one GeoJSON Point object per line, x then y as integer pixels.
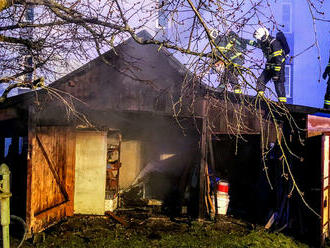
{"type": "Point", "coordinates": [50, 177]}
{"type": "Point", "coordinates": [325, 189]}
{"type": "Point", "coordinates": [226, 117]}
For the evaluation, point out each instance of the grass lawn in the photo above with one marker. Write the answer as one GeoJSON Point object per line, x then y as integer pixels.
{"type": "Point", "coordinates": [157, 231]}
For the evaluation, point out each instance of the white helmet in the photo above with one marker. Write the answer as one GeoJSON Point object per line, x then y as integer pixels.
{"type": "Point", "coordinates": [214, 33]}
{"type": "Point", "coordinates": [261, 34]}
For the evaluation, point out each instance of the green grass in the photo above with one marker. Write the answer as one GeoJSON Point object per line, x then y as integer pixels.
{"type": "Point", "coordinates": [99, 232]}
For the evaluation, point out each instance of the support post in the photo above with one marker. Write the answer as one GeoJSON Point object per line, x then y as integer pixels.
{"type": "Point", "coordinates": [203, 147]}
{"type": "Point", "coordinates": [31, 148]}
{"type": "Point", "coordinates": [210, 145]}
{"type": "Point", "coordinates": [5, 207]}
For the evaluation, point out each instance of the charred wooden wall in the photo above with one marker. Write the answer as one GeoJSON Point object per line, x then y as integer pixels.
{"type": "Point", "coordinates": [135, 78]}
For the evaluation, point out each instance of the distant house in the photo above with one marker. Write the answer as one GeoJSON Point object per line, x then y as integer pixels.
{"type": "Point", "coordinates": [307, 43]}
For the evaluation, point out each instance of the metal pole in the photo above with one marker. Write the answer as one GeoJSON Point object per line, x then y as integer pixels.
{"type": "Point", "coordinates": [5, 207]}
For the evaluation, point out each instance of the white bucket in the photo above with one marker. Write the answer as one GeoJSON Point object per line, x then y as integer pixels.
{"type": "Point", "coordinates": [223, 202]}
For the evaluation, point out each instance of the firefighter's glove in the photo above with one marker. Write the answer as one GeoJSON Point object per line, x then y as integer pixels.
{"type": "Point", "coordinates": [268, 66]}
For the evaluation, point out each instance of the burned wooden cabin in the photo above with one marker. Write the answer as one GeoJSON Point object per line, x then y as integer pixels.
{"type": "Point", "coordinates": [72, 146]}
{"type": "Point", "coordinates": [119, 118]}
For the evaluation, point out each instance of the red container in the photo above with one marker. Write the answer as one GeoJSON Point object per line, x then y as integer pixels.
{"type": "Point", "coordinates": [223, 187]}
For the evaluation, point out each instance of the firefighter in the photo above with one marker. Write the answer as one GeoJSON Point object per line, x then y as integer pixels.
{"type": "Point", "coordinates": [326, 74]}
{"type": "Point", "coordinates": [232, 48]}
{"type": "Point", "coordinates": [273, 50]}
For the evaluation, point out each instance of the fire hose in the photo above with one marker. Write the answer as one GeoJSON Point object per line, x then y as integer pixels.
{"type": "Point", "coordinates": [21, 221]}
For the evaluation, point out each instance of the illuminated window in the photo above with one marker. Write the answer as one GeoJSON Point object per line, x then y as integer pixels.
{"type": "Point", "coordinates": [21, 144]}
{"type": "Point", "coordinates": [8, 142]}
{"type": "Point", "coordinates": [29, 14]}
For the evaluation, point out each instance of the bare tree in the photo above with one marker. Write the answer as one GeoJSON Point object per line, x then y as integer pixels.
{"type": "Point", "coordinates": [78, 30]}
{"type": "Point", "coordinates": [65, 30]}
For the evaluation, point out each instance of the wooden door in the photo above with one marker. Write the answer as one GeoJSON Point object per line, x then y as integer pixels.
{"type": "Point", "coordinates": [325, 187]}
{"type": "Point", "coordinates": [50, 181]}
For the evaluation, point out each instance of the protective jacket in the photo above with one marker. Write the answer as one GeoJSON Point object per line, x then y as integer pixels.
{"type": "Point", "coordinates": [326, 74]}
{"type": "Point", "coordinates": [275, 66]}
{"type": "Point", "coordinates": [232, 47]}
{"type": "Point", "coordinates": [273, 52]}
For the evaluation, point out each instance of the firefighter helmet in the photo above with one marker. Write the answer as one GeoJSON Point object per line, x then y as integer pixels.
{"type": "Point", "coordinates": [261, 34]}
{"type": "Point", "coordinates": [214, 33]}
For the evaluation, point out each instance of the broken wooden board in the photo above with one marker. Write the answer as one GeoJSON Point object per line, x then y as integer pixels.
{"type": "Point", "coordinates": [117, 218]}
